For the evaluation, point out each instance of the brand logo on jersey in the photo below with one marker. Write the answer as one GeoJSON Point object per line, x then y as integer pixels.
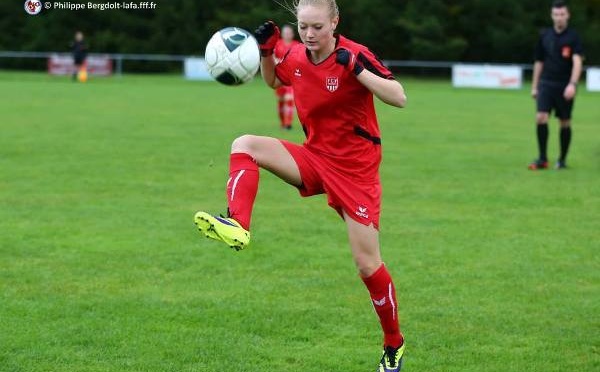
{"type": "Point", "coordinates": [380, 302]}
{"type": "Point", "coordinates": [362, 211]}
{"type": "Point", "coordinates": [33, 7]}
{"type": "Point", "coordinates": [297, 72]}
{"type": "Point", "coordinates": [566, 51]}
{"type": "Point", "coordinates": [332, 83]}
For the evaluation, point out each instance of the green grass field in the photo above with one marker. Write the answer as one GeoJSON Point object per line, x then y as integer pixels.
{"type": "Point", "coordinates": [101, 267]}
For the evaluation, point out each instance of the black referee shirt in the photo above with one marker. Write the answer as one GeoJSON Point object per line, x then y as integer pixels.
{"type": "Point", "coordinates": [556, 51]}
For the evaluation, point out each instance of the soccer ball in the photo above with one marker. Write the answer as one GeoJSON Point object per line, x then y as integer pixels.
{"type": "Point", "coordinates": [232, 56]}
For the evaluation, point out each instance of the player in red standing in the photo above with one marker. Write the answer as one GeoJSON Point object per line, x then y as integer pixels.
{"type": "Point", "coordinates": [285, 93]}
{"type": "Point", "coordinates": [334, 80]}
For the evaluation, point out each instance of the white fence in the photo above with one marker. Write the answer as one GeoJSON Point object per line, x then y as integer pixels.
{"type": "Point", "coordinates": [593, 73]}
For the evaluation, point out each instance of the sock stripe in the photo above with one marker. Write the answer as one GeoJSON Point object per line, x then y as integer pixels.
{"type": "Point", "coordinates": [392, 300]}
{"type": "Point", "coordinates": [235, 182]}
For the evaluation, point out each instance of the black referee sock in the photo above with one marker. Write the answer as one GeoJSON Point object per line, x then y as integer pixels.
{"type": "Point", "coordinates": [542, 138]}
{"type": "Point", "coordinates": [565, 141]}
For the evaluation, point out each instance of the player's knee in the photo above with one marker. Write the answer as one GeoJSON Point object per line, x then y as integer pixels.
{"type": "Point", "coordinates": [541, 118]}
{"type": "Point", "coordinates": [565, 123]}
{"type": "Point", "coordinates": [243, 144]}
{"type": "Point", "coordinates": [366, 265]}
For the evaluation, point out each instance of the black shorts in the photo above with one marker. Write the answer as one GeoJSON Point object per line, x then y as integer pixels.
{"type": "Point", "coordinates": [550, 97]}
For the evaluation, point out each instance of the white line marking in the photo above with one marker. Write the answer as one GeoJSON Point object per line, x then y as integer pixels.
{"type": "Point", "coordinates": [392, 300]}
{"type": "Point", "coordinates": [235, 182]}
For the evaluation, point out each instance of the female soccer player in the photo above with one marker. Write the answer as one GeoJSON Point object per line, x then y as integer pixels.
{"type": "Point", "coordinates": [334, 80]}
{"type": "Point", "coordinates": [285, 93]}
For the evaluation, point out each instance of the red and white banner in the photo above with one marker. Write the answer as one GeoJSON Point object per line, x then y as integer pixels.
{"type": "Point", "coordinates": [62, 64]}
{"type": "Point", "coordinates": [487, 76]}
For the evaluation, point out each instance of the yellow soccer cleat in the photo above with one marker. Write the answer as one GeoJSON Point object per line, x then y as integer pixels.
{"type": "Point", "coordinates": [391, 360]}
{"type": "Point", "coordinates": [223, 229]}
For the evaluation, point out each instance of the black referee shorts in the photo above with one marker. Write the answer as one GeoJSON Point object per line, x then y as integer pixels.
{"type": "Point", "coordinates": [550, 97]}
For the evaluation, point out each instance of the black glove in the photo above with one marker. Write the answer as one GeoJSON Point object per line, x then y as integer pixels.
{"type": "Point", "coordinates": [267, 35]}
{"type": "Point", "coordinates": [347, 59]}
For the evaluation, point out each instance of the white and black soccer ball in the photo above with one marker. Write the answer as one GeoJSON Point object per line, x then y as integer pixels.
{"type": "Point", "coordinates": [232, 56]}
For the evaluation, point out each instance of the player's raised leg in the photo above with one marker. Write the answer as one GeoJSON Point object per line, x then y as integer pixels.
{"type": "Point", "coordinates": [364, 242]}
{"type": "Point", "coordinates": [248, 153]}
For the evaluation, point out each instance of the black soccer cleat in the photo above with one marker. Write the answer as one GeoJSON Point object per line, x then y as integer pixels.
{"type": "Point", "coordinates": [560, 165]}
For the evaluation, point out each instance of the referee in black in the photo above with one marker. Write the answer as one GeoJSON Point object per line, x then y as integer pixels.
{"type": "Point", "coordinates": [556, 71]}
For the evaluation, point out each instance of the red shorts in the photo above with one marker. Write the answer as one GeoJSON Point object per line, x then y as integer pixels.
{"type": "Point", "coordinates": [360, 200]}
{"type": "Point", "coordinates": [283, 90]}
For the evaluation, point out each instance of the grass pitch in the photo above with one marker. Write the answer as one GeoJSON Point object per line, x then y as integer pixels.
{"type": "Point", "coordinates": [101, 268]}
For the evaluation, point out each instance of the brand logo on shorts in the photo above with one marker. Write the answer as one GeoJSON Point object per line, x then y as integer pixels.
{"type": "Point", "coordinates": [33, 7]}
{"type": "Point", "coordinates": [332, 83]}
{"type": "Point", "coordinates": [362, 211]}
{"type": "Point", "coordinates": [297, 72]}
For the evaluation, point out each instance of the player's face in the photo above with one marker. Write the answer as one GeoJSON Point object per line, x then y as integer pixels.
{"type": "Point", "coordinates": [560, 17]}
{"type": "Point", "coordinates": [316, 27]}
{"type": "Point", "coordinates": [287, 34]}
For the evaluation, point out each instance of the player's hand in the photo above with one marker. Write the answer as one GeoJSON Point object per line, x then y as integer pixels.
{"type": "Point", "coordinates": [267, 35]}
{"type": "Point", "coordinates": [569, 92]}
{"type": "Point", "coordinates": [534, 93]}
{"type": "Point", "coordinates": [347, 59]}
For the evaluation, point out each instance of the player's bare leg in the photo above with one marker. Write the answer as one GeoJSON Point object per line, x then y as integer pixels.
{"type": "Point", "coordinates": [541, 162]}
{"type": "Point", "coordinates": [247, 154]}
{"type": "Point", "coordinates": [270, 154]}
{"type": "Point", "coordinates": [565, 142]}
{"type": "Point", "coordinates": [364, 242]}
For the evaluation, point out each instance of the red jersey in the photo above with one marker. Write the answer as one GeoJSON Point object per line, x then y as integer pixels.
{"type": "Point", "coordinates": [336, 111]}
{"type": "Point", "coordinates": [281, 49]}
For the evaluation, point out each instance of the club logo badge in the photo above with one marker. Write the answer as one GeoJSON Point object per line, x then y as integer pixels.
{"type": "Point", "coordinates": [332, 83]}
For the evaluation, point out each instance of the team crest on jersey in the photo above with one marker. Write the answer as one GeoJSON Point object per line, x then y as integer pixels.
{"type": "Point", "coordinates": [332, 83]}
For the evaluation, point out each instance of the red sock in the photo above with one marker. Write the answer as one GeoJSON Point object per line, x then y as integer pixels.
{"type": "Point", "coordinates": [281, 111]}
{"type": "Point", "coordinates": [289, 112]}
{"type": "Point", "coordinates": [383, 295]}
{"type": "Point", "coordinates": [242, 187]}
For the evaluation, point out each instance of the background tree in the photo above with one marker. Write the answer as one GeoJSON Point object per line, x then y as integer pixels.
{"type": "Point", "coordinates": [439, 30]}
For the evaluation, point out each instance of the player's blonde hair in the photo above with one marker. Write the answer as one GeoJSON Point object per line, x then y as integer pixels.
{"type": "Point", "coordinates": [331, 6]}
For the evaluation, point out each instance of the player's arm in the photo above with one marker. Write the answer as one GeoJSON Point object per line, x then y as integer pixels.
{"type": "Point", "coordinates": [267, 35]}
{"type": "Point", "coordinates": [575, 75]}
{"type": "Point", "coordinates": [538, 66]}
{"type": "Point", "coordinates": [388, 90]}
{"type": "Point", "coordinates": [267, 70]}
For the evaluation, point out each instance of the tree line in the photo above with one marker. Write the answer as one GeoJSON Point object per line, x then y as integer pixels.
{"type": "Point", "coordinates": [437, 30]}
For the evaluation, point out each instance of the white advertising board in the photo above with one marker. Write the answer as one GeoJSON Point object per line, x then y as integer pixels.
{"type": "Point", "coordinates": [487, 76]}
{"type": "Point", "coordinates": [62, 64]}
{"type": "Point", "coordinates": [592, 79]}
{"type": "Point", "coordinates": [195, 69]}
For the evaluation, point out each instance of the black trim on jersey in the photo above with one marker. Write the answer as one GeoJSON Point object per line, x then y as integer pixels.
{"type": "Point", "coordinates": [359, 131]}
{"type": "Point", "coordinates": [305, 130]}
{"type": "Point", "coordinates": [364, 61]}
